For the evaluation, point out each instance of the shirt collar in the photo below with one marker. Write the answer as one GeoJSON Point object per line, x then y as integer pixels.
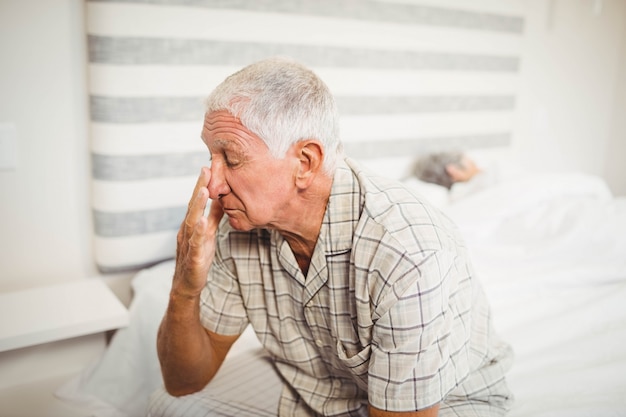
{"type": "Point", "coordinates": [342, 211]}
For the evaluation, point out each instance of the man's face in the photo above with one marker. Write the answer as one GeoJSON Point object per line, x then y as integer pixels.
{"type": "Point", "coordinates": [253, 187]}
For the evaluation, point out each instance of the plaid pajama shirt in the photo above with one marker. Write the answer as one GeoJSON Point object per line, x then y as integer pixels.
{"type": "Point", "coordinates": [389, 313]}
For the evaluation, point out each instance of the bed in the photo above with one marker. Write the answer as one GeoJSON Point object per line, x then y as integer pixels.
{"type": "Point", "coordinates": [551, 252]}
{"type": "Point", "coordinates": [409, 77]}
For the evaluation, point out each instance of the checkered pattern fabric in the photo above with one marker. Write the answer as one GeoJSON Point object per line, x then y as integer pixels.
{"type": "Point", "coordinates": [389, 313]}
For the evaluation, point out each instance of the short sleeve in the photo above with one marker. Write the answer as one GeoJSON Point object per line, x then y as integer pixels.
{"type": "Point", "coordinates": [420, 345]}
{"type": "Point", "coordinates": [221, 306]}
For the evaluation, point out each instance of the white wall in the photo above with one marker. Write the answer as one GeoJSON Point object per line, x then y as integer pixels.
{"type": "Point", "coordinates": [573, 97]}
{"type": "Point", "coordinates": [614, 166]}
{"type": "Point", "coordinates": [44, 216]}
{"type": "Point", "coordinates": [571, 117]}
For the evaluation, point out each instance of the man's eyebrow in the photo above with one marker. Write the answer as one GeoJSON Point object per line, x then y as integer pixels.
{"type": "Point", "coordinates": [222, 143]}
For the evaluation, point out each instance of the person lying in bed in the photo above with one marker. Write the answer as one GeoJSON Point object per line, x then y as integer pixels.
{"type": "Point", "coordinates": [363, 295]}
{"type": "Point", "coordinates": [445, 168]}
{"type": "Point", "coordinates": [454, 170]}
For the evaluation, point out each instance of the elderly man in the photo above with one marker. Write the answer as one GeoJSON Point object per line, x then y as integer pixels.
{"type": "Point", "coordinates": [362, 294]}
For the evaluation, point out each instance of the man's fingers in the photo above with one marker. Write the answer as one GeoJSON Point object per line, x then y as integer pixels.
{"type": "Point", "coordinates": [197, 203]}
{"type": "Point", "coordinates": [215, 215]}
{"type": "Point", "coordinates": [197, 241]}
{"type": "Point", "coordinates": [200, 247]}
{"type": "Point", "coordinates": [202, 182]}
{"type": "Point", "coordinates": [193, 261]}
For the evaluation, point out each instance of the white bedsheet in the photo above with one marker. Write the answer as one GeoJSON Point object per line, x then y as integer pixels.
{"type": "Point", "coordinates": [551, 252]}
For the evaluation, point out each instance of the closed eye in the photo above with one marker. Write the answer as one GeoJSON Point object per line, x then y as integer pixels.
{"type": "Point", "coordinates": [232, 162]}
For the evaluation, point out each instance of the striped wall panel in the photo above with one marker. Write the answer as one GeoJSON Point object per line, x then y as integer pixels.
{"type": "Point", "coordinates": [408, 75]}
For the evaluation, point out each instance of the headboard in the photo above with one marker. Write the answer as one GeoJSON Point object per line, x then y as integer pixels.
{"type": "Point", "coordinates": [409, 76]}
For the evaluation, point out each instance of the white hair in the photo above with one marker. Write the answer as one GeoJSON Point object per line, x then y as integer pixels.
{"type": "Point", "coordinates": [282, 102]}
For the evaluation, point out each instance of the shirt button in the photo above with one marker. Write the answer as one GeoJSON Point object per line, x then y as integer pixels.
{"type": "Point", "coordinates": [319, 343]}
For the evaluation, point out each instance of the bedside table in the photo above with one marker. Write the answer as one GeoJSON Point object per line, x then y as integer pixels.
{"type": "Point", "coordinates": [56, 312]}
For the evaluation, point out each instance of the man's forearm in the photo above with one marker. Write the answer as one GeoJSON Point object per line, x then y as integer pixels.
{"type": "Point", "coordinates": [429, 412]}
{"type": "Point", "coordinates": [188, 359]}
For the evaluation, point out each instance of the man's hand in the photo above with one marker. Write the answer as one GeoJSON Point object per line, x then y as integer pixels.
{"type": "Point", "coordinates": [189, 354]}
{"type": "Point", "coordinates": [196, 240]}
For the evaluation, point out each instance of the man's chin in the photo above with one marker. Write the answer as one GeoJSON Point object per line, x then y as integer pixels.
{"type": "Point", "coordinates": [237, 224]}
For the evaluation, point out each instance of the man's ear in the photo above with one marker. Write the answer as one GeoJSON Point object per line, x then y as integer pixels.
{"type": "Point", "coordinates": [311, 158]}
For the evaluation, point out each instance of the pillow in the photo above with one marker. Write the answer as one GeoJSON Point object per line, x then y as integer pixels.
{"type": "Point", "coordinates": [436, 194]}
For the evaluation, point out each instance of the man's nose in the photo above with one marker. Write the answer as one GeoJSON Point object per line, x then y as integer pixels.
{"type": "Point", "coordinates": [218, 186]}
